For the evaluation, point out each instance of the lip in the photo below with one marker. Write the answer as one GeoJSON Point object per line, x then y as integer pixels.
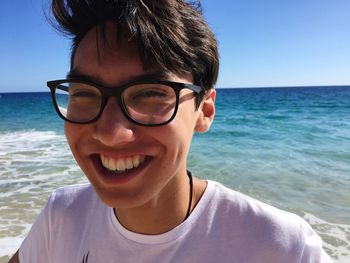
{"type": "Point", "coordinates": [109, 178]}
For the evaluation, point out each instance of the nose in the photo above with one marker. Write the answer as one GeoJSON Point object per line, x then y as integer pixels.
{"type": "Point", "coordinates": [113, 128]}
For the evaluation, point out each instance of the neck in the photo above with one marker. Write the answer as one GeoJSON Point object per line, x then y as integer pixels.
{"type": "Point", "coordinates": [164, 212]}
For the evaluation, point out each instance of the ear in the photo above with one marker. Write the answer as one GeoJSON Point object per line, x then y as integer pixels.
{"type": "Point", "coordinates": [206, 112]}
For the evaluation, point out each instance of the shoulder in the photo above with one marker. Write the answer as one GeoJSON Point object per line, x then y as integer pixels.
{"type": "Point", "coordinates": [71, 209]}
{"type": "Point", "coordinates": [74, 190]}
{"type": "Point", "coordinates": [252, 212]}
{"type": "Point", "coordinates": [248, 207]}
{"type": "Point", "coordinates": [263, 226]}
{"type": "Point", "coordinates": [72, 198]}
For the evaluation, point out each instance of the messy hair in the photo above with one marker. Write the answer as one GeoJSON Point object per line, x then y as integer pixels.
{"type": "Point", "coordinates": [169, 33]}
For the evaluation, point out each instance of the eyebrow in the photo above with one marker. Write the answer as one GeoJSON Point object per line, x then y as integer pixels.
{"type": "Point", "coordinates": [151, 76]}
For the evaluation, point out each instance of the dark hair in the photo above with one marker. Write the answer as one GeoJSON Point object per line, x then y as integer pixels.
{"type": "Point", "coordinates": [171, 33]}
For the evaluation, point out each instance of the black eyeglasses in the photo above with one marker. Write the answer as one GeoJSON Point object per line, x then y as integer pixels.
{"type": "Point", "coordinates": [147, 103]}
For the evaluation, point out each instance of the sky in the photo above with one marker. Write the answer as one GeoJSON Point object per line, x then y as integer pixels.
{"type": "Point", "coordinates": [262, 43]}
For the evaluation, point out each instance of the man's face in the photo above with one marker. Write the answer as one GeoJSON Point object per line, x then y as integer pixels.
{"type": "Point", "coordinates": [156, 155]}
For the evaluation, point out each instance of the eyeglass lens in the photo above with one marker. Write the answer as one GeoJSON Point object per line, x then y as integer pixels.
{"type": "Point", "coordinates": [144, 103]}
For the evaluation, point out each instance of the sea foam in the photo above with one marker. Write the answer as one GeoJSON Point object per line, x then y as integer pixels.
{"type": "Point", "coordinates": [33, 164]}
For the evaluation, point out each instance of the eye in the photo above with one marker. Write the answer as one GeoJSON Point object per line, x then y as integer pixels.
{"type": "Point", "coordinates": [149, 93]}
{"type": "Point", "coordinates": [81, 91]}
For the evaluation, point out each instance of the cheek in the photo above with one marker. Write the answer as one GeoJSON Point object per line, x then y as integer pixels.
{"type": "Point", "coordinates": [177, 135]}
{"type": "Point", "coordinates": [70, 133]}
{"type": "Point", "coordinates": [185, 120]}
{"type": "Point", "coordinates": [74, 134]}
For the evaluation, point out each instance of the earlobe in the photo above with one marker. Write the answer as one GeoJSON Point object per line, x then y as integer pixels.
{"type": "Point", "coordinates": [206, 112]}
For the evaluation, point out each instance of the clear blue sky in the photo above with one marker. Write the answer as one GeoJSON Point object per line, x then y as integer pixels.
{"type": "Point", "coordinates": [261, 43]}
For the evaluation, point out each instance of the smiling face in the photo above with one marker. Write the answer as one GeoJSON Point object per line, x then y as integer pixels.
{"type": "Point", "coordinates": [127, 164]}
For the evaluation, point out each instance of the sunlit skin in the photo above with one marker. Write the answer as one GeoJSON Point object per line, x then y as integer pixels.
{"type": "Point", "coordinates": [156, 199]}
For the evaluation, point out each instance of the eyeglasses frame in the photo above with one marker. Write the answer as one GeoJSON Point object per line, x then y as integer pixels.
{"type": "Point", "coordinates": [117, 92]}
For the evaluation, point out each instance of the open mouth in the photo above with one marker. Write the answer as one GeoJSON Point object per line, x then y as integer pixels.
{"type": "Point", "coordinates": [120, 170]}
{"type": "Point", "coordinates": [121, 165]}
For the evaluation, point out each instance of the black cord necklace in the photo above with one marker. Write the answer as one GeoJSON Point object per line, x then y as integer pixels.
{"type": "Point", "coordinates": [191, 194]}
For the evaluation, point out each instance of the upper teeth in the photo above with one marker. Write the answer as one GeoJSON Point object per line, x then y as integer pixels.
{"type": "Point", "coordinates": [122, 164]}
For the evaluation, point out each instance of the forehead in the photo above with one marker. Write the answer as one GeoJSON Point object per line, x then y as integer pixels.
{"type": "Point", "coordinates": [112, 61]}
{"type": "Point", "coordinates": [109, 60]}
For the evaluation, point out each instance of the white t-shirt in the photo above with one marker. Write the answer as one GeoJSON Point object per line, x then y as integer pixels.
{"type": "Point", "coordinates": [225, 226]}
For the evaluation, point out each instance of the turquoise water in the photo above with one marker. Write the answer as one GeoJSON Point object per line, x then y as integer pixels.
{"type": "Point", "coordinates": [289, 147]}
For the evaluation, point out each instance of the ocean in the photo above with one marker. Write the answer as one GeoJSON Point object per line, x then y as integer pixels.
{"type": "Point", "coordinates": [289, 147]}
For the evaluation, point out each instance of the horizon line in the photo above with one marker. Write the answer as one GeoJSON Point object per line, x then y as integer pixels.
{"type": "Point", "coordinates": [251, 87]}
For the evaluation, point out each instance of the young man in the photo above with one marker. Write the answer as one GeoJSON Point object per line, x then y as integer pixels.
{"type": "Point", "coordinates": [140, 85]}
